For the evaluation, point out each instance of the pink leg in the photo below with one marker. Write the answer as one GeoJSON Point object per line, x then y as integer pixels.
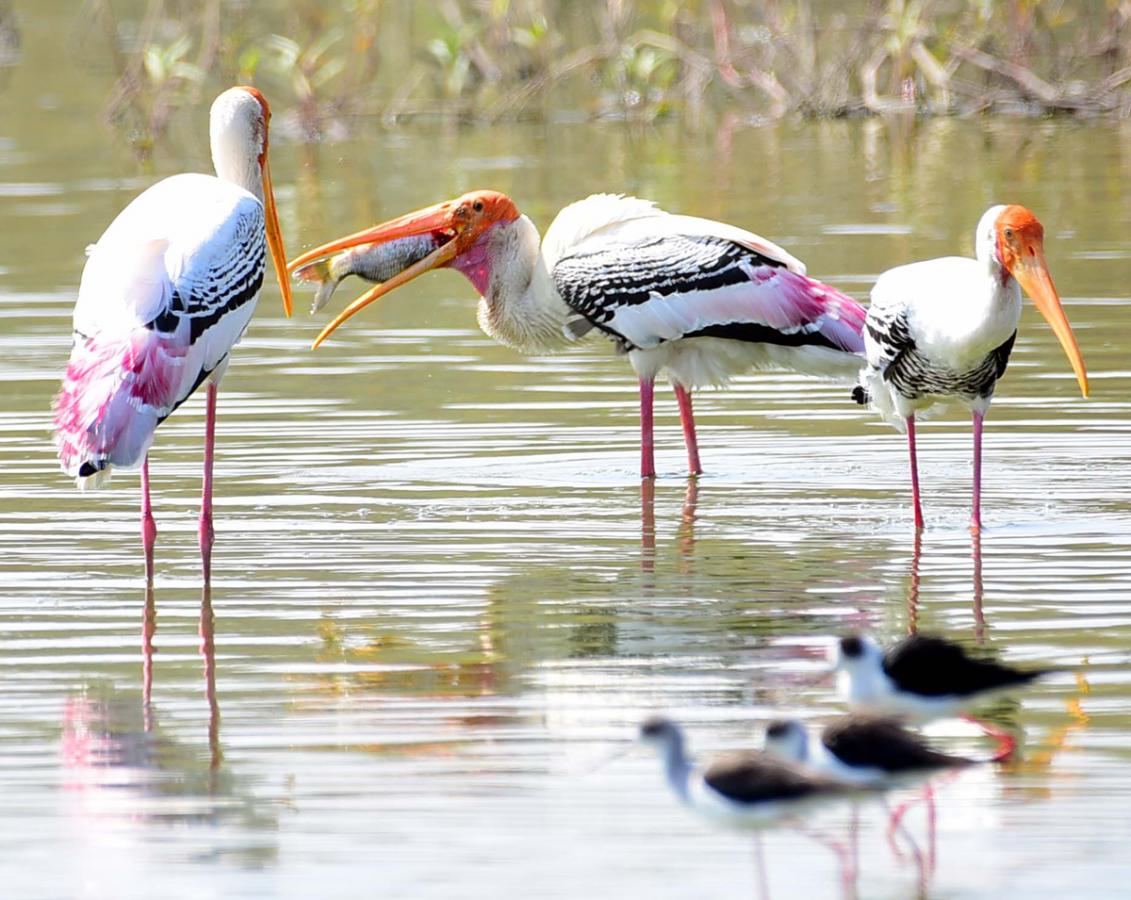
{"type": "Point", "coordinates": [976, 511]}
{"type": "Point", "coordinates": [647, 456]}
{"type": "Point", "coordinates": [148, 525]}
{"type": "Point", "coordinates": [1006, 742]}
{"type": "Point", "coordinates": [914, 472]}
{"type": "Point", "coordinates": [207, 535]}
{"type": "Point", "coordinates": [895, 826]}
{"type": "Point", "coordinates": [687, 419]}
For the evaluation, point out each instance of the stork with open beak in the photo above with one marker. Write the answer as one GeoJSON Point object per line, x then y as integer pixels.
{"type": "Point", "coordinates": [167, 291]}
{"type": "Point", "coordinates": [698, 299]}
{"type": "Point", "coordinates": [943, 330]}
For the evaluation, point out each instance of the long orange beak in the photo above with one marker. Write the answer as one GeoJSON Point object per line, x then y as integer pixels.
{"type": "Point", "coordinates": [275, 238]}
{"type": "Point", "coordinates": [1032, 273]}
{"type": "Point", "coordinates": [426, 221]}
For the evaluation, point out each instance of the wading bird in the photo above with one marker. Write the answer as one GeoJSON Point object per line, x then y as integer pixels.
{"type": "Point", "coordinates": [943, 330]}
{"type": "Point", "coordinates": [862, 748]}
{"type": "Point", "coordinates": [922, 678]}
{"type": "Point", "coordinates": [872, 750]}
{"type": "Point", "coordinates": [743, 788]}
{"type": "Point", "coordinates": [698, 299]}
{"type": "Point", "coordinates": [167, 291]}
{"type": "Point", "coordinates": [746, 789]}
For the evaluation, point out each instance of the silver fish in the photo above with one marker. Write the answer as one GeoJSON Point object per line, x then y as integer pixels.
{"type": "Point", "coordinates": [373, 262]}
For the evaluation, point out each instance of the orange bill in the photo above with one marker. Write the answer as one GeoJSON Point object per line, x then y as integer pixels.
{"type": "Point", "coordinates": [1032, 273]}
{"type": "Point", "coordinates": [433, 219]}
{"type": "Point", "coordinates": [275, 238]}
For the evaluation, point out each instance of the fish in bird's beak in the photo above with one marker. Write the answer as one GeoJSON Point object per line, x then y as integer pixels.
{"type": "Point", "coordinates": [1022, 251]}
{"type": "Point", "coordinates": [453, 227]}
{"type": "Point", "coordinates": [372, 262]}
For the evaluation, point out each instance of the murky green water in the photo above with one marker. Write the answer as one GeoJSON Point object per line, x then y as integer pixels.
{"type": "Point", "coordinates": [440, 594]}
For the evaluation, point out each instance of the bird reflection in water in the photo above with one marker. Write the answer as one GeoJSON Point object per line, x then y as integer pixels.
{"type": "Point", "coordinates": [978, 588]}
{"type": "Point", "coordinates": [685, 535]}
{"type": "Point", "coordinates": [207, 632]}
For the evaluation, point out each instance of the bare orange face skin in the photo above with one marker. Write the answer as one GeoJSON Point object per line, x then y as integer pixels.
{"type": "Point", "coordinates": [455, 224]}
{"type": "Point", "coordinates": [1021, 250]}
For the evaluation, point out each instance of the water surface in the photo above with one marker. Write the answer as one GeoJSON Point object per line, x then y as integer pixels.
{"type": "Point", "coordinates": [440, 592]}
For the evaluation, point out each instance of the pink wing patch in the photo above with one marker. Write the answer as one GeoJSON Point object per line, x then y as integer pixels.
{"type": "Point", "coordinates": [775, 298]}
{"type": "Point", "coordinates": [115, 393]}
{"type": "Point", "coordinates": [801, 303]}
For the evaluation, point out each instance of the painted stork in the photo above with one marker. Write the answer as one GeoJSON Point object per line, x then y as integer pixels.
{"type": "Point", "coordinates": [167, 291]}
{"type": "Point", "coordinates": [698, 299]}
{"type": "Point", "coordinates": [943, 329]}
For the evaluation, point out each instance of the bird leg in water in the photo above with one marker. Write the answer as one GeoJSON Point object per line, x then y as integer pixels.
{"type": "Point", "coordinates": [1006, 742]}
{"type": "Point", "coordinates": [760, 872]}
{"type": "Point", "coordinates": [647, 454]}
{"type": "Point", "coordinates": [976, 510]}
{"type": "Point", "coordinates": [207, 534]}
{"type": "Point", "coordinates": [914, 472]}
{"type": "Point", "coordinates": [683, 395]}
{"type": "Point", "coordinates": [148, 525]}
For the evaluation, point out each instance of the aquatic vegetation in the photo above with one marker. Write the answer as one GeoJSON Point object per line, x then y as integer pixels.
{"type": "Point", "coordinates": [328, 62]}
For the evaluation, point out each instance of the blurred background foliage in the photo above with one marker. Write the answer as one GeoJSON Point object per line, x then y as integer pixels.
{"type": "Point", "coordinates": [325, 63]}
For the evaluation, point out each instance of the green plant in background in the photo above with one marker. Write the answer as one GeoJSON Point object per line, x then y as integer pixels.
{"type": "Point", "coordinates": [328, 62]}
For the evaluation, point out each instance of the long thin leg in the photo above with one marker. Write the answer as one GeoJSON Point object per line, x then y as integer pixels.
{"type": "Point", "coordinates": [647, 455]}
{"type": "Point", "coordinates": [896, 826]}
{"type": "Point", "coordinates": [148, 525]}
{"type": "Point", "coordinates": [207, 534]}
{"type": "Point", "coordinates": [687, 420]}
{"type": "Point", "coordinates": [1006, 742]}
{"type": "Point", "coordinates": [760, 873]}
{"type": "Point", "coordinates": [914, 472]}
{"type": "Point", "coordinates": [976, 510]}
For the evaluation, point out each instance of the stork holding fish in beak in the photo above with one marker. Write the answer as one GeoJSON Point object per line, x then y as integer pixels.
{"type": "Point", "coordinates": [699, 300]}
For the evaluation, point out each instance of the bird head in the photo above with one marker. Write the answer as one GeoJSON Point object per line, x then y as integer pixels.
{"type": "Point", "coordinates": [788, 740]}
{"type": "Point", "coordinates": [855, 652]}
{"type": "Point", "coordinates": [660, 732]}
{"type": "Point", "coordinates": [458, 227]}
{"type": "Point", "coordinates": [1019, 246]}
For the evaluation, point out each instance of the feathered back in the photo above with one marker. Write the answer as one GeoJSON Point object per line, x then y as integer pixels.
{"type": "Point", "coordinates": [585, 218]}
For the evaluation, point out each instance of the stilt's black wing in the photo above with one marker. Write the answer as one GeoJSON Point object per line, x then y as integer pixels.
{"type": "Point", "coordinates": [935, 667]}
{"type": "Point", "coordinates": [884, 743]}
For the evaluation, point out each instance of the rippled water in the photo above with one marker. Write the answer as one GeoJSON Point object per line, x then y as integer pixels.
{"type": "Point", "coordinates": [441, 595]}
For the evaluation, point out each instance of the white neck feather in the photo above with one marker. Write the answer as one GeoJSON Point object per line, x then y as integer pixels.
{"type": "Point", "coordinates": [237, 132]}
{"type": "Point", "coordinates": [521, 307]}
{"type": "Point", "coordinates": [985, 241]}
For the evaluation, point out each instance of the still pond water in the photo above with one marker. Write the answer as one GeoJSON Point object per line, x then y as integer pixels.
{"type": "Point", "coordinates": [440, 593]}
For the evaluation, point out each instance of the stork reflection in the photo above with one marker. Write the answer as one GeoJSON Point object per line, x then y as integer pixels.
{"type": "Point", "coordinates": [685, 534]}
{"type": "Point", "coordinates": [206, 630]}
